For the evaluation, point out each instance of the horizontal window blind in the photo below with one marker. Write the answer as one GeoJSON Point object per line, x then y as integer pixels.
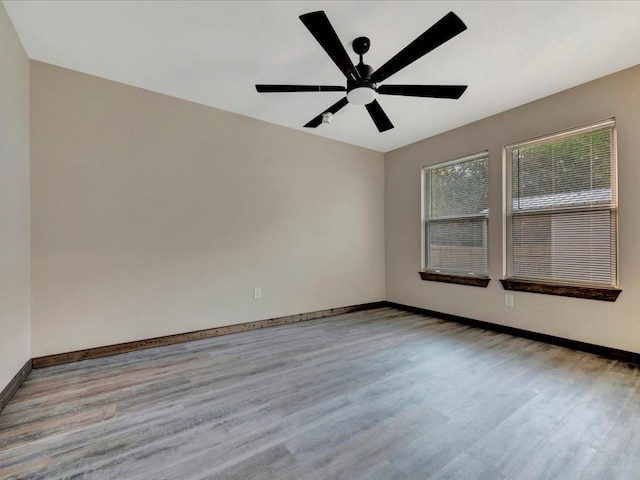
{"type": "Point", "coordinates": [562, 208]}
{"type": "Point", "coordinates": [455, 216]}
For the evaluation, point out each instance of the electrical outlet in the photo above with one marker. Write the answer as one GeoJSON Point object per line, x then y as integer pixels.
{"type": "Point", "coordinates": [257, 293]}
{"type": "Point", "coordinates": [508, 300]}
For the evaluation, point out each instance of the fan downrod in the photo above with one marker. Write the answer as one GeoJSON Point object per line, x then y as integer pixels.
{"type": "Point", "coordinates": [361, 46]}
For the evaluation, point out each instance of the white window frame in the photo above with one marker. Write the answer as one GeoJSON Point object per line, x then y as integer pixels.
{"type": "Point", "coordinates": [509, 214]}
{"type": "Point", "coordinates": [426, 219]}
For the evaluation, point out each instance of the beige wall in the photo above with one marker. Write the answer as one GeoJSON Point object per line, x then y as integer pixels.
{"type": "Point", "coordinates": [153, 216]}
{"type": "Point", "coordinates": [15, 348]}
{"type": "Point", "coordinates": [611, 324]}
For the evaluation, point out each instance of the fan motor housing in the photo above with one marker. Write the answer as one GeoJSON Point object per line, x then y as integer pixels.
{"type": "Point", "coordinates": [361, 92]}
{"type": "Point", "coordinates": [365, 71]}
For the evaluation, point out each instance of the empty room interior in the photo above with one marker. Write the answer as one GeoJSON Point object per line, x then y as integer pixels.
{"type": "Point", "coordinates": [319, 240]}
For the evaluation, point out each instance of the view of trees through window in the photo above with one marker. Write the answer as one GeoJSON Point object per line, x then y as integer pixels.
{"type": "Point", "coordinates": [578, 163]}
{"type": "Point", "coordinates": [562, 208]}
{"type": "Point", "coordinates": [459, 189]}
{"type": "Point", "coordinates": [457, 201]}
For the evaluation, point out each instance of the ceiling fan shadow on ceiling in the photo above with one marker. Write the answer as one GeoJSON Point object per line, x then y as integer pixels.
{"type": "Point", "coordinates": [362, 81]}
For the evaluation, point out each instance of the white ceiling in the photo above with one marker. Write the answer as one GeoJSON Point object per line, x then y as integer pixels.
{"type": "Point", "coordinates": [213, 52]}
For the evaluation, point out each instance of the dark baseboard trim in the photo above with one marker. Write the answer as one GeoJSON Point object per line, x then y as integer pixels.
{"type": "Point", "coordinates": [10, 390]}
{"type": "Point", "coordinates": [608, 352]}
{"type": "Point", "coordinates": [68, 357]}
{"type": "Point", "coordinates": [108, 350]}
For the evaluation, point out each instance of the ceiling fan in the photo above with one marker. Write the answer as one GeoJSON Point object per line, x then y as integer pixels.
{"type": "Point", "coordinates": [362, 81]}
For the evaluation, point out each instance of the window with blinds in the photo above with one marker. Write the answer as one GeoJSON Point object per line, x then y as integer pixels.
{"type": "Point", "coordinates": [455, 217]}
{"type": "Point", "coordinates": [562, 208]}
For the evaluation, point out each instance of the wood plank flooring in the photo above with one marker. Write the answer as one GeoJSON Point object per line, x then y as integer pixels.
{"type": "Point", "coordinates": [373, 395]}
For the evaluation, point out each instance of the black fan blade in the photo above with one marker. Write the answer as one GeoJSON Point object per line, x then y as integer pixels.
{"type": "Point", "coordinates": [379, 117]}
{"type": "Point", "coordinates": [332, 109]}
{"type": "Point", "coordinates": [299, 88]}
{"type": "Point", "coordinates": [433, 91]}
{"type": "Point", "coordinates": [320, 27]}
{"type": "Point", "coordinates": [444, 29]}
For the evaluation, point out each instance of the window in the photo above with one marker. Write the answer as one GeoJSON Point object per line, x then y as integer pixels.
{"type": "Point", "coordinates": [562, 210]}
{"type": "Point", "coordinates": [455, 220]}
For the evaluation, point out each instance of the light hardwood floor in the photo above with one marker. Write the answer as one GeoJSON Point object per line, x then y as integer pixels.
{"type": "Point", "coordinates": [374, 395]}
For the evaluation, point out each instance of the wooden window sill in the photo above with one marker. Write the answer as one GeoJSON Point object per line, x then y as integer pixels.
{"type": "Point", "coordinates": [591, 293]}
{"type": "Point", "coordinates": [458, 279]}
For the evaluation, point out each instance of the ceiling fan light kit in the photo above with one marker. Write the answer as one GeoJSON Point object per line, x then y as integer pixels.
{"type": "Point", "coordinates": [361, 95]}
{"type": "Point", "coordinates": [362, 81]}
